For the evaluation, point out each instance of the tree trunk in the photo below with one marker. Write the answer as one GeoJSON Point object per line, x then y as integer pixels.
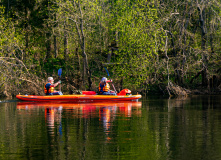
{"type": "Point", "coordinates": [65, 44]}
{"type": "Point", "coordinates": [176, 66]}
{"type": "Point", "coordinates": [82, 43]}
{"type": "Point", "coordinates": [55, 47]}
{"type": "Point", "coordinates": [78, 76]}
{"type": "Point", "coordinates": [48, 45]}
{"type": "Point", "coordinates": [184, 47]}
{"type": "Point", "coordinates": [205, 79]}
{"type": "Point", "coordinates": [167, 61]}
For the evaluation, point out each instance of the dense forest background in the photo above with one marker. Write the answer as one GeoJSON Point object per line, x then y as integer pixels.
{"type": "Point", "coordinates": [155, 46]}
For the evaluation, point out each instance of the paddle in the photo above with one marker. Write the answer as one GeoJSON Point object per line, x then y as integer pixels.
{"type": "Point", "coordinates": [59, 74]}
{"type": "Point", "coordinates": [110, 79]}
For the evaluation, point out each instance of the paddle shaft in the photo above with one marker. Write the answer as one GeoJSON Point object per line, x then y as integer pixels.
{"type": "Point", "coordinates": [60, 84]}
{"type": "Point", "coordinates": [59, 74]}
{"type": "Point", "coordinates": [110, 79]}
{"type": "Point", "coordinates": [114, 88]}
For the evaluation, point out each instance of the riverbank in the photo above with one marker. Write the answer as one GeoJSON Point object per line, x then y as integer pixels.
{"type": "Point", "coordinates": [162, 89]}
{"type": "Point", "coordinates": [175, 90]}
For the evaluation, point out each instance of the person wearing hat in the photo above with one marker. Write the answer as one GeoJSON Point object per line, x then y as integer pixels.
{"type": "Point", "coordinates": [49, 87]}
{"type": "Point", "coordinates": [104, 87]}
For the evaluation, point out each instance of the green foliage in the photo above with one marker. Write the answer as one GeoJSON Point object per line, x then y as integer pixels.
{"type": "Point", "coordinates": [47, 36]}
{"type": "Point", "coordinates": [136, 28]}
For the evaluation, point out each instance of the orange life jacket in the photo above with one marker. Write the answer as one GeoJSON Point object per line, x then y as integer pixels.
{"type": "Point", "coordinates": [48, 90]}
{"type": "Point", "coordinates": [104, 88]}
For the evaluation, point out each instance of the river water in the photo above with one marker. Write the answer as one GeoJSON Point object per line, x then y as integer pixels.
{"type": "Point", "coordinates": [153, 128]}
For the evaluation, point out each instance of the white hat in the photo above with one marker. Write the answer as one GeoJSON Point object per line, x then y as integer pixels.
{"type": "Point", "coordinates": [104, 79]}
{"type": "Point", "coordinates": [50, 78]}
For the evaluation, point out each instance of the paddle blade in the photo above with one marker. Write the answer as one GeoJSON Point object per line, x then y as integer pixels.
{"type": "Point", "coordinates": [59, 72]}
{"type": "Point", "coordinates": [107, 71]}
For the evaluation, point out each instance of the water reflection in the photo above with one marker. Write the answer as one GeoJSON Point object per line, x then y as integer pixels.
{"type": "Point", "coordinates": [186, 127]}
{"type": "Point", "coordinates": [181, 128]}
{"type": "Point", "coordinates": [53, 115]}
{"type": "Point", "coordinates": [106, 112]}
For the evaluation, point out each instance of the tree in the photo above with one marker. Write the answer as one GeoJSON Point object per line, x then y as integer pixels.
{"type": "Point", "coordinates": [188, 25]}
{"type": "Point", "coordinates": [136, 28]}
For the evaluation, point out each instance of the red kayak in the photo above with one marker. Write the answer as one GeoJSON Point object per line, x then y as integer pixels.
{"type": "Point", "coordinates": [86, 96]}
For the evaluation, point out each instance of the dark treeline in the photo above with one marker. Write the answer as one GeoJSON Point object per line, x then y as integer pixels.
{"type": "Point", "coordinates": [156, 46]}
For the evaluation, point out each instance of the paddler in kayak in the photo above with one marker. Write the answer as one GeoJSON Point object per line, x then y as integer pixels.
{"type": "Point", "coordinates": [49, 87]}
{"type": "Point", "coordinates": [104, 87]}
